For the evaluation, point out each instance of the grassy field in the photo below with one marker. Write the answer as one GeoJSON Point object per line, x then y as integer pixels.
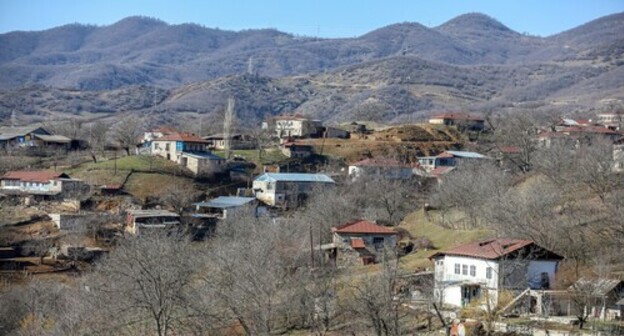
{"type": "Point", "coordinates": [134, 162]}
{"type": "Point", "coordinates": [142, 185]}
{"type": "Point", "coordinates": [420, 226]}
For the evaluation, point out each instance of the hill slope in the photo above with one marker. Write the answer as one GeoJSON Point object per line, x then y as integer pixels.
{"type": "Point", "coordinates": [146, 51]}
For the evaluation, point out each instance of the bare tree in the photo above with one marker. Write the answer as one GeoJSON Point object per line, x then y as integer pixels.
{"type": "Point", "coordinates": [373, 300]}
{"type": "Point", "coordinates": [179, 196]}
{"type": "Point", "coordinates": [469, 189]}
{"type": "Point", "coordinates": [144, 287]}
{"type": "Point", "coordinates": [254, 264]}
{"type": "Point", "coordinates": [98, 138]}
{"type": "Point", "coordinates": [127, 132]}
{"type": "Point", "coordinates": [518, 130]}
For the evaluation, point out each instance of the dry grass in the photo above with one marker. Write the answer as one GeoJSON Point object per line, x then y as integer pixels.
{"type": "Point", "coordinates": [142, 185]}
{"type": "Point", "coordinates": [419, 225]}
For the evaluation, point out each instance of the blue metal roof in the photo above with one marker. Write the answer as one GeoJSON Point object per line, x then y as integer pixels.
{"type": "Point", "coordinates": [467, 155]}
{"type": "Point", "coordinates": [224, 202]}
{"type": "Point", "coordinates": [294, 177]}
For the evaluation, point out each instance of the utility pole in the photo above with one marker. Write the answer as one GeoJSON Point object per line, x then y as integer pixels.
{"type": "Point", "coordinates": [227, 125]}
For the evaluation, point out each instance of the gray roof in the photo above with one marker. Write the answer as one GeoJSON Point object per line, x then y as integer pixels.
{"type": "Point", "coordinates": [22, 130]}
{"type": "Point", "coordinates": [598, 287]}
{"type": "Point", "coordinates": [467, 155]}
{"type": "Point", "coordinates": [53, 138]}
{"type": "Point", "coordinates": [620, 303]}
{"type": "Point", "coordinates": [224, 202]}
{"type": "Point", "coordinates": [151, 213]}
{"type": "Point", "coordinates": [294, 177]}
{"type": "Point", "coordinates": [203, 155]}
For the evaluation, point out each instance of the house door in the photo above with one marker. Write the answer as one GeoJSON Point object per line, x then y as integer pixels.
{"type": "Point", "coordinates": [470, 293]}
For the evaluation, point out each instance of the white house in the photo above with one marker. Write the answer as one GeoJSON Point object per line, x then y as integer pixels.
{"type": "Point", "coordinates": [288, 189]}
{"type": "Point", "coordinates": [292, 126]}
{"type": "Point", "coordinates": [40, 182]}
{"type": "Point", "coordinates": [387, 168]}
{"type": "Point", "coordinates": [481, 270]}
{"type": "Point", "coordinates": [449, 159]}
{"type": "Point", "coordinates": [190, 151]}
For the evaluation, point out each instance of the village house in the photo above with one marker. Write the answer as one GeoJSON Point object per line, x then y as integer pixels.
{"type": "Point", "coordinates": [587, 134]}
{"type": "Point", "coordinates": [449, 159]}
{"type": "Point", "coordinates": [149, 136]}
{"type": "Point", "coordinates": [140, 220]}
{"type": "Point", "coordinates": [237, 141]}
{"type": "Point", "coordinates": [294, 150]}
{"type": "Point", "coordinates": [481, 271]}
{"type": "Point", "coordinates": [41, 183]}
{"type": "Point", "coordinates": [288, 189]}
{"type": "Point", "coordinates": [460, 120]}
{"type": "Point", "coordinates": [220, 207]}
{"type": "Point", "coordinates": [599, 297]}
{"type": "Point", "coordinates": [32, 136]}
{"type": "Point", "coordinates": [189, 151]}
{"type": "Point", "coordinates": [292, 126]}
{"type": "Point", "coordinates": [366, 239]}
{"type": "Point", "coordinates": [612, 120]}
{"type": "Point", "coordinates": [382, 167]}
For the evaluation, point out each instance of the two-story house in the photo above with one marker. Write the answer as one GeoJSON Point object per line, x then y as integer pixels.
{"type": "Point", "coordinates": [237, 141]}
{"type": "Point", "coordinates": [360, 242]}
{"type": "Point", "coordinates": [292, 126]}
{"type": "Point", "coordinates": [288, 189]}
{"type": "Point", "coordinates": [480, 271]}
{"type": "Point", "coordinates": [190, 151]}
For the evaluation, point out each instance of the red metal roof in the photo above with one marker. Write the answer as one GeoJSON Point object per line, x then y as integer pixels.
{"type": "Point", "coordinates": [489, 249]}
{"type": "Point", "coordinates": [364, 227]}
{"type": "Point", "coordinates": [181, 137]}
{"type": "Point", "coordinates": [33, 176]}
{"type": "Point", "coordinates": [589, 129]}
{"type": "Point", "coordinates": [357, 243]}
{"type": "Point", "coordinates": [457, 116]}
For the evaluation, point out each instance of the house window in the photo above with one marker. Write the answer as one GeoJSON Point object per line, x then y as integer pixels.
{"type": "Point", "coordinates": [464, 269]}
{"type": "Point", "coordinates": [167, 146]}
{"type": "Point", "coordinates": [488, 272]}
{"type": "Point", "coordinates": [457, 268]}
{"type": "Point", "coordinates": [473, 270]}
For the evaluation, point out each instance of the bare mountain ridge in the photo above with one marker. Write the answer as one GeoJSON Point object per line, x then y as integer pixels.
{"type": "Point", "coordinates": [396, 89]}
{"type": "Point", "coordinates": [139, 50]}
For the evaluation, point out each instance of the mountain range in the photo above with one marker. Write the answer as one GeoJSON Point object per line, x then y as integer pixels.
{"type": "Point", "coordinates": [396, 73]}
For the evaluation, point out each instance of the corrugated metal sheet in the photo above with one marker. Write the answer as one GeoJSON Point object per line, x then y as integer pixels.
{"type": "Point", "coordinates": [467, 155]}
{"type": "Point", "coordinates": [224, 202]}
{"type": "Point", "coordinates": [294, 177]}
{"type": "Point", "coordinates": [206, 155]}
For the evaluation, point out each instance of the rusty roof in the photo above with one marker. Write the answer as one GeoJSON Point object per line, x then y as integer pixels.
{"type": "Point", "coordinates": [589, 129]}
{"type": "Point", "coordinates": [33, 176]}
{"type": "Point", "coordinates": [382, 162]}
{"type": "Point", "coordinates": [364, 227]}
{"type": "Point", "coordinates": [597, 287]}
{"type": "Point", "coordinates": [489, 249]}
{"type": "Point", "coordinates": [181, 137]}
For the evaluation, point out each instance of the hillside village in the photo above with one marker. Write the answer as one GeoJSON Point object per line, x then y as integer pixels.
{"type": "Point", "coordinates": [176, 179]}
{"type": "Point", "coordinates": [67, 203]}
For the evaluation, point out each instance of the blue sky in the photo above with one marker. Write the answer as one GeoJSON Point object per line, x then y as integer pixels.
{"type": "Point", "coordinates": [326, 18]}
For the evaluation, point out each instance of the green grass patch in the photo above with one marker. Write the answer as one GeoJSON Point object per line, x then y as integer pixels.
{"type": "Point", "coordinates": [420, 225]}
{"type": "Point", "coordinates": [134, 162]}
